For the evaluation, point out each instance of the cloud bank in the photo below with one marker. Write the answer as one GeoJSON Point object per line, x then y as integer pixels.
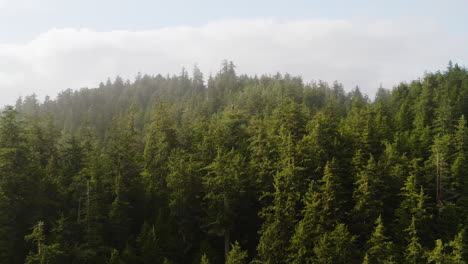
{"type": "Point", "coordinates": [364, 53]}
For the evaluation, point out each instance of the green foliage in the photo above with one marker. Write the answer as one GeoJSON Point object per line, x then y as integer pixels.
{"type": "Point", "coordinates": [323, 207]}
{"type": "Point", "coordinates": [412, 207]}
{"type": "Point", "coordinates": [45, 254]}
{"type": "Point", "coordinates": [379, 248]}
{"type": "Point", "coordinates": [162, 169]}
{"type": "Point", "coordinates": [336, 246]}
{"type": "Point", "coordinates": [114, 257]}
{"type": "Point", "coordinates": [367, 197]}
{"type": "Point", "coordinates": [280, 216]}
{"type": "Point", "coordinates": [236, 255]}
{"type": "Point", "coordinates": [414, 251]}
{"type": "Point", "coordinates": [204, 259]}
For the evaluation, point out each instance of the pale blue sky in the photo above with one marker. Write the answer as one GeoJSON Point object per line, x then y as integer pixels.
{"type": "Point", "coordinates": [23, 20]}
{"type": "Point", "coordinates": [50, 45]}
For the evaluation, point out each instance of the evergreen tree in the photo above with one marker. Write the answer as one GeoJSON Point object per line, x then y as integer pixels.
{"type": "Point", "coordinates": [441, 159]}
{"type": "Point", "coordinates": [204, 259]}
{"type": "Point", "coordinates": [7, 230]}
{"type": "Point", "coordinates": [114, 257]}
{"type": "Point", "coordinates": [280, 165]}
{"type": "Point", "coordinates": [224, 184]}
{"type": "Point", "coordinates": [124, 213]}
{"type": "Point", "coordinates": [148, 244]}
{"type": "Point", "coordinates": [414, 251]}
{"type": "Point", "coordinates": [160, 140]}
{"type": "Point", "coordinates": [336, 246]}
{"type": "Point", "coordinates": [438, 255]}
{"type": "Point", "coordinates": [323, 209]}
{"type": "Point", "coordinates": [412, 206]}
{"type": "Point", "coordinates": [379, 247]}
{"type": "Point", "coordinates": [45, 254]}
{"type": "Point", "coordinates": [236, 255]}
{"type": "Point", "coordinates": [184, 183]}
{"type": "Point", "coordinates": [458, 248]}
{"type": "Point", "coordinates": [280, 217]}
{"type": "Point", "coordinates": [459, 166]}
{"type": "Point", "coordinates": [368, 201]}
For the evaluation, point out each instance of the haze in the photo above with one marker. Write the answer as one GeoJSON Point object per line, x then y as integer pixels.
{"type": "Point", "coordinates": [48, 46]}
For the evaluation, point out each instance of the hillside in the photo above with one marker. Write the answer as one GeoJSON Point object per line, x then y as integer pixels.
{"type": "Point", "coordinates": [252, 169]}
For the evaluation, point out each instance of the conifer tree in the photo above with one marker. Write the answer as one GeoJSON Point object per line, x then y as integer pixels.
{"type": "Point", "coordinates": [7, 231]}
{"type": "Point", "coordinates": [458, 246]}
{"type": "Point", "coordinates": [323, 209]}
{"type": "Point", "coordinates": [224, 184]}
{"type": "Point", "coordinates": [280, 216]}
{"type": "Point", "coordinates": [367, 198]}
{"type": "Point", "coordinates": [280, 165]}
{"type": "Point", "coordinates": [379, 247]}
{"type": "Point", "coordinates": [115, 258]}
{"type": "Point", "coordinates": [18, 184]}
{"type": "Point", "coordinates": [45, 254]}
{"type": "Point", "coordinates": [459, 166]}
{"type": "Point", "coordinates": [336, 246]}
{"type": "Point", "coordinates": [236, 255]}
{"type": "Point", "coordinates": [441, 153]}
{"type": "Point", "coordinates": [185, 186]}
{"type": "Point", "coordinates": [160, 140]}
{"type": "Point", "coordinates": [438, 255]}
{"type": "Point", "coordinates": [204, 259]}
{"type": "Point", "coordinates": [125, 212]}
{"type": "Point", "coordinates": [412, 207]}
{"type": "Point", "coordinates": [148, 244]}
{"type": "Point", "coordinates": [414, 251]}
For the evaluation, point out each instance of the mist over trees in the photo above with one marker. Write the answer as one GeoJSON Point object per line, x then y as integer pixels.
{"type": "Point", "coordinates": [237, 169]}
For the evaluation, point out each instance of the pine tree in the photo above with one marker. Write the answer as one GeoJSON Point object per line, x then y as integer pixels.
{"type": "Point", "coordinates": [368, 201]}
{"type": "Point", "coordinates": [438, 255]}
{"type": "Point", "coordinates": [412, 207]}
{"type": "Point", "coordinates": [459, 166]}
{"type": "Point", "coordinates": [160, 140]}
{"type": "Point", "coordinates": [184, 183]}
{"type": "Point", "coordinates": [236, 255]}
{"type": "Point", "coordinates": [414, 251]}
{"type": "Point", "coordinates": [18, 185]}
{"type": "Point", "coordinates": [441, 159]}
{"type": "Point", "coordinates": [45, 254]}
{"type": "Point", "coordinates": [280, 216]}
{"type": "Point", "coordinates": [224, 184]}
{"type": "Point", "coordinates": [93, 197]}
{"type": "Point", "coordinates": [336, 247]}
{"type": "Point", "coordinates": [204, 259]}
{"type": "Point", "coordinates": [323, 209]}
{"type": "Point", "coordinates": [148, 243]}
{"type": "Point", "coordinates": [7, 230]}
{"type": "Point", "coordinates": [322, 141]}
{"type": "Point", "coordinates": [125, 211]}
{"type": "Point", "coordinates": [115, 258]}
{"type": "Point", "coordinates": [458, 248]}
{"type": "Point", "coordinates": [379, 247]}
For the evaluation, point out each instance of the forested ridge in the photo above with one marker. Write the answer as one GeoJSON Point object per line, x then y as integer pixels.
{"type": "Point", "coordinates": [237, 169]}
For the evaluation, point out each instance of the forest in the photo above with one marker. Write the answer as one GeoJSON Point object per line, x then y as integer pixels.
{"type": "Point", "coordinates": [237, 169]}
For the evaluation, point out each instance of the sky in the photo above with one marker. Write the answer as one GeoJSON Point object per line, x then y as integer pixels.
{"type": "Point", "coordinates": [47, 46]}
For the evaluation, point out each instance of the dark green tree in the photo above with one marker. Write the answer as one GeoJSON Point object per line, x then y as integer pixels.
{"type": "Point", "coordinates": [336, 246]}
{"type": "Point", "coordinates": [379, 248]}
{"type": "Point", "coordinates": [224, 184]}
{"type": "Point", "coordinates": [236, 255]}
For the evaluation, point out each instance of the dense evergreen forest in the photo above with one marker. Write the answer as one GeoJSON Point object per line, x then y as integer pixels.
{"type": "Point", "coordinates": [237, 169]}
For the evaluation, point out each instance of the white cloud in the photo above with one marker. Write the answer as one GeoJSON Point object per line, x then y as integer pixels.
{"type": "Point", "coordinates": [364, 53]}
